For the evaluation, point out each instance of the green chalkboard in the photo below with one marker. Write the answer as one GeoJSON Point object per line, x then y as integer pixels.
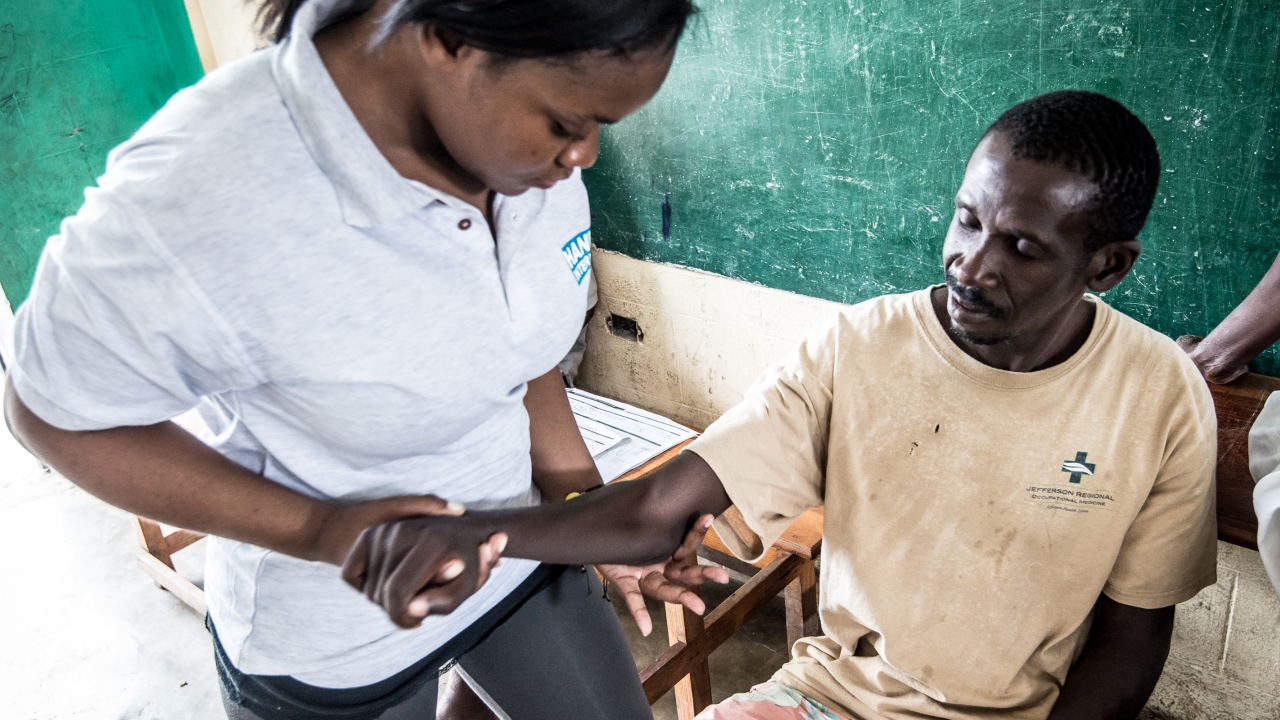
{"type": "Point", "coordinates": [816, 145]}
{"type": "Point", "coordinates": [77, 77]}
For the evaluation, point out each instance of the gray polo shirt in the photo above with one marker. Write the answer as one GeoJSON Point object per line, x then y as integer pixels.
{"type": "Point", "coordinates": [346, 332]}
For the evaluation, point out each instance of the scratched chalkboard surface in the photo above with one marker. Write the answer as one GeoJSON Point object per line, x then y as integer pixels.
{"type": "Point", "coordinates": [815, 146]}
{"type": "Point", "coordinates": [77, 77]}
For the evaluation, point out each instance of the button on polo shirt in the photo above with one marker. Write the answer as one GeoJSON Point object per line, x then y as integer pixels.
{"type": "Point", "coordinates": [344, 331]}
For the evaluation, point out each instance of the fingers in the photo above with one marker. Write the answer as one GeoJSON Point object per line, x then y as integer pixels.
{"type": "Point", "coordinates": [357, 561]}
{"type": "Point", "coordinates": [401, 592]}
{"type": "Point", "coordinates": [690, 574]}
{"type": "Point", "coordinates": [490, 556]}
{"type": "Point", "coordinates": [417, 505]}
{"type": "Point", "coordinates": [430, 581]}
{"type": "Point", "coordinates": [1234, 374]}
{"type": "Point", "coordinates": [656, 586]}
{"type": "Point", "coordinates": [693, 539]}
{"type": "Point", "coordinates": [1189, 342]}
{"type": "Point", "coordinates": [630, 590]}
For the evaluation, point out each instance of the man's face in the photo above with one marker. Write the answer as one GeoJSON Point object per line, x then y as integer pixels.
{"type": "Point", "coordinates": [1014, 255]}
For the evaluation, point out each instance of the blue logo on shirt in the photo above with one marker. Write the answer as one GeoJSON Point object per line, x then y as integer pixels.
{"type": "Point", "coordinates": [577, 252]}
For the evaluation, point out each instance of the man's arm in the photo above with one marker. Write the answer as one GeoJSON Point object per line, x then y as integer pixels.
{"type": "Point", "coordinates": [1121, 663]}
{"type": "Point", "coordinates": [635, 523]}
{"type": "Point", "coordinates": [1251, 328]}
{"type": "Point", "coordinates": [562, 465]}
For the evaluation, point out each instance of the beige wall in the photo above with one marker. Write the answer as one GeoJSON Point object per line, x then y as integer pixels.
{"type": "Point", "coordinates": [223, 29]}
{"type": "Point", "coordinates": [707, 337]}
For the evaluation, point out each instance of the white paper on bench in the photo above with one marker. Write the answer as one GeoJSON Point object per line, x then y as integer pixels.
{"type": "Point", "coordinates": [640, 435]}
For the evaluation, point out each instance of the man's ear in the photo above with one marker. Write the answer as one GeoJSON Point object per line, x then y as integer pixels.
{"type": "Point", "coordinates": [1110, 263]}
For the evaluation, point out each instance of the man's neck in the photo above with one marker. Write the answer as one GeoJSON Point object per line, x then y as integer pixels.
{"type": "Point", "coordinates": [382, 86]}
{"type": "Point", "coordinates": [1051, 345]}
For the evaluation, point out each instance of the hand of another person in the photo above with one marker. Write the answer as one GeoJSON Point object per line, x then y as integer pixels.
{"type": "Point", "coordinates": [1217, 367]}
{"type": "Point", "coordinates": [336, 532]}
{"type": "Point", "coordinates": [420, 566]}
{"type": "Point", "coordinates": [668, 580]}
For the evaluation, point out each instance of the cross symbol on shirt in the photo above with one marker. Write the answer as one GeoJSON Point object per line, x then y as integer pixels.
{"type": "Point", "coordinates": [1078, 467]}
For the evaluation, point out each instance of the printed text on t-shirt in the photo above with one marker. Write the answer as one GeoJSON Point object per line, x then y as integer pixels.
{"type": "Point", "coordinates": [577, 253]}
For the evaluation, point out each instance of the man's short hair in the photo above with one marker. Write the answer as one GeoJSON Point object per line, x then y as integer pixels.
{"type": "Point", "coordinates": [1099, 138]}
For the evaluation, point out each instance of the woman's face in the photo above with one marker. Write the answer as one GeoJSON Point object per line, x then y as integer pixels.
{"type": "Point", "coordinates": [517, 124]}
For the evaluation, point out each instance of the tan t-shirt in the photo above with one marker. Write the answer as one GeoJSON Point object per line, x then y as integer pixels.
{"type": "Point", "coordinates": [973, 515]}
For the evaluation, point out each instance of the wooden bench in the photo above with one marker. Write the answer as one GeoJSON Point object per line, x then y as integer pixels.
{"type": "Point", "coordinates": [1238, 405]}
{"type": "Point", "coordinates": [788, 566]}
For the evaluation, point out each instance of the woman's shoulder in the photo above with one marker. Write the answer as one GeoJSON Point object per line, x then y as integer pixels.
{"type": "Point", "coordinates": [230, 126]}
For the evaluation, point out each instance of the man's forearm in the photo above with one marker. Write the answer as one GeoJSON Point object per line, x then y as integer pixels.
{"type": "Point", "coordinates": [1120, 665]}
{"type": "Point", "coordinates": [636, 522]}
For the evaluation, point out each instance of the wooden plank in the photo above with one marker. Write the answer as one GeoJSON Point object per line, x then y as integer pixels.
{"type": "Point", "coordinates": [179, 539]}
{"type": "Point", "coordinates": [660, 676]}
{"type": "Point", "coordinates": [802, 605]}
{"type": "Point", "coordinates": [655, 463]}
{"type": "Point", "coordinates": [726, 560]}
{"type": "Point", "coordinates": [1237, 406]}
{"type": "Point", "coordinates": [720, 624]}
{"type": "Point", "coordinates": [693, 691]}
{"type": "Point", "coordinates": [804, 537]}
{"type": "Point", "coordinates": [170, 580]}
{"type": "Point", "coordinates": [151, 537]}
{"type": "Point", "coordinates": [716, 543]}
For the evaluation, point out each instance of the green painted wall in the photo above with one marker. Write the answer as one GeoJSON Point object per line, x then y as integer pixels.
{"type": "Point", "coordinates": [77, 77]}
{"type": "Point", "coordinates": [815, 146]}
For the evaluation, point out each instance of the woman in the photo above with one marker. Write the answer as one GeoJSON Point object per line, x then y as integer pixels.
{"type": "Point", "coordinates": [355, 252]}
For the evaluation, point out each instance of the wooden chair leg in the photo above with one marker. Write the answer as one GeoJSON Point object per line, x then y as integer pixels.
{"type": "Point", "coordinates": [151, 537]}
{"type": "Point", "coordinates": [681, 658]}
{"type": "Point", "coordinates": [693, 691]}
{"type": "Point", "coordinates": [802, 605]}
{"type": "Point", "coordinates": [156, 557]}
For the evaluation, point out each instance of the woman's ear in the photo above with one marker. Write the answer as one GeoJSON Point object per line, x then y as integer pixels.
{"type": "Point", "coordinates": [1111, 263]}
{"type": "Point", "coordinates": [441, 47]}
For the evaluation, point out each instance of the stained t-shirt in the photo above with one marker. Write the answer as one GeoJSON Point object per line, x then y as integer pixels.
{"type": "Point", "coordinates": [346, 332]}
{"type": "Point", "coordinates": [973, 516]}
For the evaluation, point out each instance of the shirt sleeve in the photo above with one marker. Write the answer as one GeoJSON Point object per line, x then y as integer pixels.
{"type": "Point", "coordinates": [114, 331]}
{"type": "Point", "coordinates": [1264, 440]}
{"type": "Point", "coordinates": [1170, 550]}
{"type": "Point", "coordinates": [1264, 464]}
{"type": "Point", "coordinates": [770, 450]}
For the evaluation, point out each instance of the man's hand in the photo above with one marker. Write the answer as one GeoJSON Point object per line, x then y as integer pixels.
{"type": "Point", "coordinates": [669, 580]}
{"type": "Point", "coordinates": [420, 566]}
{"type": "Point", "coordinates": [1216, 365]}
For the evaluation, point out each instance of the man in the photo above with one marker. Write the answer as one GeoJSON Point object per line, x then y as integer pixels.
{"type": "Point", "coordinates": [1018, 480]}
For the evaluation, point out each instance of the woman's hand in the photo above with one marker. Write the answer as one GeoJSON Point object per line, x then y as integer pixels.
{"type": "Point", "coordinates": [338, 526]}
{"type": "Point", "coordinates": [420, 566]}
{"type": "Point", "coordinates": [668, 581]}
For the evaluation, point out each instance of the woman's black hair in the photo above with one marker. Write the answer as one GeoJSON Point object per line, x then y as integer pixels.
{"type": "Point", "coordinates": [526, 28]}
